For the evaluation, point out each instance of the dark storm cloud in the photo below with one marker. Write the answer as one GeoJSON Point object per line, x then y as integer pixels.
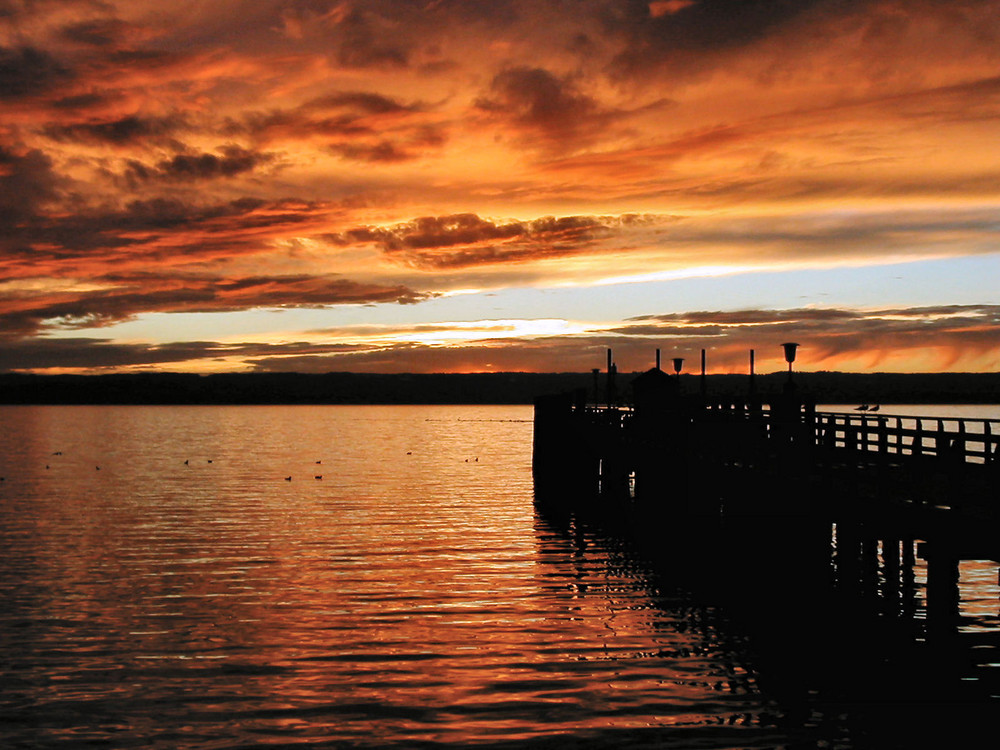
{"type": "Point", "coordinates": [536, 100]}
{"type": "Point", "coordinates": [365, 39]}
{"type": "Point", "coordinates": [20, 10]}
{"type": "Point", "coordinates": [466, 240]}
{"type": "Point", "coordinates": [163, 293]}
{"type": "Point", "coordinates": [27, 71]}
{"type": "Point", "coordinates": [106, 32]}
{"type": "Point", "coordinates": [361, 102]}
{"type": "Point", "coordinates": [145, 232]}
{"type": "Point", "coordinates": [713, 24]}
{"type": "Point", "coordinates": [27, 181]}
{"type": "Point", "coordinates": [687, 35]}
{"type": "Point", "coordinates": [383, 151]}
{"type": "Point", "coordinates": [90, 100]}
{"type": "Point", "coordinates": [690, 37]}
{"type": "Point", "coordinates": [354, 125]}
{"type": "Point", "coordinates": [123, 131]}
{"type": "Point", "coordinates": [390, 34]}
{"type": "Point", "coordinates": [192, 167]}
{"type": "Point", "coordinates": [118, 297]}
{"type": "Point", "coordinates": [95, 353]}
{"type": "Point", "coordinates": [171, 213]}
{"type": "Point", "coordinates": [90, 353]}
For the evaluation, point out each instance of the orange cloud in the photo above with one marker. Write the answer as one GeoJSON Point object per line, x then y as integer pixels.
{"type": "Point", "coordinates": [659, 8]}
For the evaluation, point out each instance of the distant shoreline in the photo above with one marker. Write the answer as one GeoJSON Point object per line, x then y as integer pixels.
{"type": "Point", "coordinates": [477, 388]}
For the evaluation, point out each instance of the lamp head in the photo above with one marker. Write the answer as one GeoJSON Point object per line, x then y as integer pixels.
{"type": "Point", "coordinates": [790, 352]}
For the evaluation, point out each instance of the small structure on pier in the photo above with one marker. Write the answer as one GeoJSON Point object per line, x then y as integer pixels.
{"type": "Point", "coordinates": [654, 394]}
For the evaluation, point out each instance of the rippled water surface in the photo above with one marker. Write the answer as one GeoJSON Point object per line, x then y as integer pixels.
{"type": "Point", "coordinates": [222, 577]}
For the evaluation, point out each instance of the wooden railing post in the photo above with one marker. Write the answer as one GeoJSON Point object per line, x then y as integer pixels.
{"type": "Point", "coordinates": [917, 447]}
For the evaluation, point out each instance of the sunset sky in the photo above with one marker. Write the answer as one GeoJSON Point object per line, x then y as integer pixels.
{"type": "Point", "coordinates": [450, 185]}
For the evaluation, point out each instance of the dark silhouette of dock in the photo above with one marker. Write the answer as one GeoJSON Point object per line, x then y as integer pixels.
{"type": "Point", "coordinates": [836, 539]}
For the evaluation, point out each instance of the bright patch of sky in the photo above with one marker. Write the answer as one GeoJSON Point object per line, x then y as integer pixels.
{"type": "Point", "coordinates": [970, 280]}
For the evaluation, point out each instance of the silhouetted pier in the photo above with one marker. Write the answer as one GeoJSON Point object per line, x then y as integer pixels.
{"type": "Point", "coordinates": [812, 524]}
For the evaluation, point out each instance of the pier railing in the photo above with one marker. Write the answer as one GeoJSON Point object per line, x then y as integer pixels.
{"type": "Point", "coordinates": [869, 436]}
{"type": "Point", "coordinates": [960, 440]}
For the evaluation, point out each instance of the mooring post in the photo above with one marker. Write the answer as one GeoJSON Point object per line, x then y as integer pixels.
{"type": "Point", "coordinates": [868, 563]}
{"type": "Point", "coordinates": [941, 440]}
{"type": "Point", "coordinates": [612, 395]}
{"type": "Point", "coordinates": [909, 577]}
{"type": "Point", "coordinates": [704, 386]}
{"type": "Point", "coordinates": [848, 557]}
{"type": "Point", "coordinates": [891, 570]}
{"type": "Point", "coordinates": [942, 588]}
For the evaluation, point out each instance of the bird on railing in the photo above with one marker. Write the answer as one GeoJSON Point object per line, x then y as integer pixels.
{"type": "Point", "coordinates": [874, 408]}
{"type": "Point", "coordinates": [863, 407]}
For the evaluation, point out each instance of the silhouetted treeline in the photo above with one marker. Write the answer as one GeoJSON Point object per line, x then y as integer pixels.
{"type": "Point", "coordinates": [485, 388]}
{"type": "Point", "coordinates": [868, 388]}
{"type": "Point", "coordinates": [284, 388]}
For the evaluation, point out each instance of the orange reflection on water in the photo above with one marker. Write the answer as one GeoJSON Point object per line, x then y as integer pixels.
{"type": "Point", "coordinates": [189, 592]}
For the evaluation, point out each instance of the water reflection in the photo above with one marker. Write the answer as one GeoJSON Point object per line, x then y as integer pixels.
{"type": "Point", "coordinates": [851, 638]}
{"type": "Point", "coordinates": [413, 596]}
{"type": "Point", "coordinates": [186, 595]}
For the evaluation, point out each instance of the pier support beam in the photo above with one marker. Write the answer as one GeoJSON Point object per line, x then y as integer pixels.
{"type": "Point", "coordinates": [942, 589]}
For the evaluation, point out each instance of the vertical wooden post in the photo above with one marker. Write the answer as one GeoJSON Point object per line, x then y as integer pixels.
{"type": "Point", "coordinates": [909, 578]}
{"type": "Point", "coordinates": [848, 557]}
{"type": "Point", "coordinates": [917, 447]}
{"type": "Point", "coordinates": [890, 568]}
{"type": "Point", "coordinates": [869, 566]}
{"type": "Point", "coordinates": [612, 395]}
{"type": "Point", "coordinates": [703, 384]}
{"type": "Point", "coordinates": [942, 590]}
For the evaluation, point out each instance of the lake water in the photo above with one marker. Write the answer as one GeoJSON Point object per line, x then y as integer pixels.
{"type": "Point", "coordinates": [244, 577]}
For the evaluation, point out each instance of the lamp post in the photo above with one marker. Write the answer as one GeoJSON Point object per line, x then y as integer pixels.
{"type": "Point", "coordinates": [790, 357]}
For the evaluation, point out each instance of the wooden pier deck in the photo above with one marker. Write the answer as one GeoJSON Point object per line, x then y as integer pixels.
{"type": "Point", "coordinates": [702, 457]}
{"type": "Point", "coordinates": [811, 524]}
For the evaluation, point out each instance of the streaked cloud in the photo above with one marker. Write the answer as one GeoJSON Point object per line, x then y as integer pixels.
{"type": "Point", "coordinates": [946, 337]}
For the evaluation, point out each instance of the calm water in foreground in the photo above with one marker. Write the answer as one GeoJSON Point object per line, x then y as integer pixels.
{"type": "Point", "coordinates": [237, 577]}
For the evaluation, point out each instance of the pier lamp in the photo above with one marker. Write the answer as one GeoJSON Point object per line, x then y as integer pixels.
{"type": "Point", "coordinates": [790, 356]}
{"type": "Point", "coordinates": [678, 363]}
